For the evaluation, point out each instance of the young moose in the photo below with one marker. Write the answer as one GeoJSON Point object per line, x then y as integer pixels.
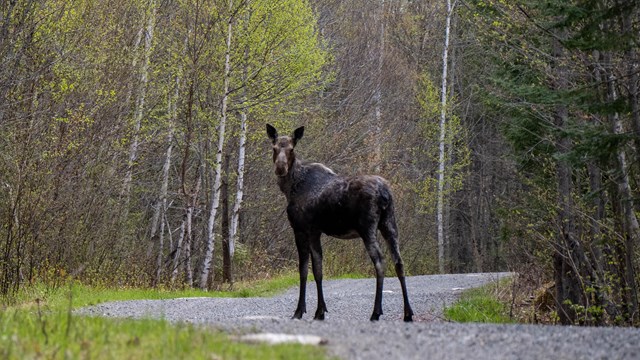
{"type": "Point", "coordinates": [319, 201]}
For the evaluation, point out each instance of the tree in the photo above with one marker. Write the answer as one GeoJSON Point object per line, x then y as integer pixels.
{"type": "Point", "coordinates": [443, 135]}
{"type": "Point", "coordinates": [215, 191]}
{"type": "Point", "coordinates": [566, 121]}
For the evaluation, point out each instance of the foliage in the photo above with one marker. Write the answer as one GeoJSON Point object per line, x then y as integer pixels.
{"type": "Point", "coordinates": [84, 138]}
{"type": "Point", "coordinates": [556, 91]}
{"type": "Point", "coordinates": [457, 152]}
{"type": "Point", "coordinates": [481, 305]}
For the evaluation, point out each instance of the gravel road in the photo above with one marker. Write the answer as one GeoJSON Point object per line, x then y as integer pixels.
{"type": "Point", "coordinates": [348, 333]}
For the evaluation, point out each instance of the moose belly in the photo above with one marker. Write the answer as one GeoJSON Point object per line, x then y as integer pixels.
{"type": "Point", "coordinates": [339, 227]}
{"type": "Point", "coordinates": [349, 234]}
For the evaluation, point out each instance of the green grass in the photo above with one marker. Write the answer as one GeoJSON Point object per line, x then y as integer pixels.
{"type": "Point", "coordinates": [40, 324]}
{"type": "Point", "coordinates": [479, 305]}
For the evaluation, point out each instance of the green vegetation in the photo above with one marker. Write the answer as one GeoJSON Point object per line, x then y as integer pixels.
{"type": "Point", "coordinates": [479, 305]}
{"type": "Point", "coordinates": [40, 324]}
{"type": "Point", "coordinates": [83, 295]}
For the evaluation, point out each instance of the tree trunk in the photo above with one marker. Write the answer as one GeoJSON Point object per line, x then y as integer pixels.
{"type": "Point", "coordinates": [178, 251]}
{"type": "Point", "coordinates": [571, 267]}
{"type": "Point", "coordinates": [597, 232]}
{"type": "Point", "coordinates": [442, 150]}
{"type": "Point", "coordinates": [161, 208]}
{"type": "Point", "coordinates": [215, 191]}
{"type": "Point", "coordinates": [631, 221]}
{"type": "Point", "coordinates": [631, 228]}
{"type": "Point", "coordinates": [141, 96]}
{"type": "Point", "coordinates": [162, 198]}
{"type": "Point", "coordinates": [224, 226]}
{"type": "Point", "coordinates": [377, 95]}
{"type": "Point", "coordinates": [631, 56]}
{"type": "Point", "coordinates": [188, 237]}
{"type": "Point", "coordinates": [235, 214]}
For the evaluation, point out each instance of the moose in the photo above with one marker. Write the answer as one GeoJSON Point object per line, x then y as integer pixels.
{"type": "Point", "coordinates": [320, 201]}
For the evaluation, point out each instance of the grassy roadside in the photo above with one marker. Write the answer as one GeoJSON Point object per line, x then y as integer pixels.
{"type": "Point", "coordinates": [40, 324]}
{"type": "Point", "coordinates": [481, 305]}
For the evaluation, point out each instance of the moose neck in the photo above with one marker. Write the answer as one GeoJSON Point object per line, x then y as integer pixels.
{"type": "Point", "coordinates": [288, 182]}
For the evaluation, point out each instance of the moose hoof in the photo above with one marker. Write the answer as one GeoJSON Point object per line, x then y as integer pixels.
{"type": "Point", "coordinates": [298, 314]}
{"type": "Point", "coordinates": [319, 316]}
{"type": "Point", "coordinates": [375, 317]}
{"type": "Point", "coordinates": [408, 318]}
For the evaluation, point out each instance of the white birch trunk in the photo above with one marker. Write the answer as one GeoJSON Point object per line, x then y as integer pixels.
{"type": "Point", "coordinates": [178, 251]}
{"type": "Point", "coordinates": [160, 211]}
{"type": "Point", "coordinates": [630, 219]}
{"type": "Point", "coordinates": [215, 191]}
{"type": "Point", "coordinates": [235, 215]}
{"type": "Point", "coordinates": [631, 225]}
{"type": "Point", "coordinates": [142, 93]}
{"type": "Point", "coordinates": [188, 237]}
{"type": "Point", "coordinates": [188, 232]}
{"type": "Point", "coordinates": [162, 204]}
{"type": "Point", "coordinates": [235, 212]}
{"type": "Point", "coordinates": [160, 245]}
{"type": "Point", "coordinates": [162, 199]}
{"type": "Point", "coordinates": [442, 150]}
{"type": "Point", "coordinates": [377, 96]}
{"type": "Point", "coordinates": [168, 226]}
{"type": "Point", "coordinates": [624, 186]}
{"type": "Point", "coordinates": [134, 65]}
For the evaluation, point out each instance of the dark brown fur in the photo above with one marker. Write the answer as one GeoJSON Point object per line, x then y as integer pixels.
{"type": "Point", "coordinates": [319, 201]}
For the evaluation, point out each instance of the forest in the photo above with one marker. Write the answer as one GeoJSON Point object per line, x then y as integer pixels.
{"type": "Point", "coordinates": [133, 149]}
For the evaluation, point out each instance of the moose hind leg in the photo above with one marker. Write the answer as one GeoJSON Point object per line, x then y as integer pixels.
{"type": "Point", "coordinates": [303, 269]}
{"type": "Point", "coordinates": [390, 233]}
{"type": "Point", "coordinates": [371, 244]}
{"type": "Point", "coordinates": [316, 264]}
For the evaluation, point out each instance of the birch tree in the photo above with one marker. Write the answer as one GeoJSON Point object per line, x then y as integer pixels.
{"type": "Point", "coordinates": [377, 93]}
{"type": "Point", "coordinates": [190, 192]}
{"type": "Point", "coordinates": [215, 191]}
{"type": "Point", "coordinates": [237, 205]}
{"type": "Point", "coordinates": [242, 143]}
{"type": "Point", "coordinates": [146, 32]}
{"type": "Point", "coordinates": [443, 134]}
{"type": "Point", "coordinates": [159, 215]}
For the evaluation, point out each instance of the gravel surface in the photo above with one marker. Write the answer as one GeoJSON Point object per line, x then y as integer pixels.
{"type": "Point", "coordinates": [348, 334]}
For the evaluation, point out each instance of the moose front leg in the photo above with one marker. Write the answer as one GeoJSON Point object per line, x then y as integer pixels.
{"type": "Point", "coordinates": [302, 243]}
{"type": "Point", "coordinates": [316, 264]}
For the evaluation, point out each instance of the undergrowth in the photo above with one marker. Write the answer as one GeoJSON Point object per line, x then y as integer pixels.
{"type": "Point", "coordinates": [483, 305]}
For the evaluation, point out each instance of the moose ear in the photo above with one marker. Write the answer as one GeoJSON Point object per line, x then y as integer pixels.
{"type": "Point", "coordinates": [297, 134]}
{"type": "Point", "coordinates": [272, 133]}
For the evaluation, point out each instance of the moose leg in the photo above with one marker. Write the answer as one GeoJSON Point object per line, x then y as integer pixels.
{"type": "Point", "coordinates": [371, 244]}
{"type": "Point", "coordinates": [316, 264]}
{"type": "Point", "coordinates": [302, 244]}
{"type": "Point", "coordinates": [390, 233]}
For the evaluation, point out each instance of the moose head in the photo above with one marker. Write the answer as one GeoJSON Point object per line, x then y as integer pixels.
{"type": "Point", "coordinates": [283, 155]}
